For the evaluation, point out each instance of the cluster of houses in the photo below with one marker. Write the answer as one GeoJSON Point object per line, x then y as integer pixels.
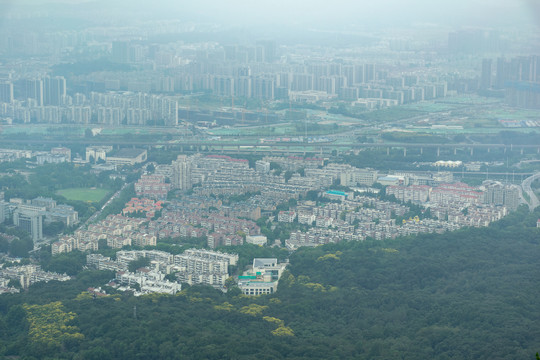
{"type": "Point", "coordinates": [152, 187]}
{"type": "Point", "coordinates": [491, 192]}
{"type": "Point", "coordinates": [56, 155]}
{"type": "Point", "coordinates": [294, 163]}
{"type": "Point", "coordinates": [202, 214]}
{"type": "Point", "coordinates": [26, 275]}
{"type": "Point", "coordinates": [177, 221]}
{"type": "Point", "coordinates": [142, 206]}
{"type": "Point", "coordinates": [359, 217]}
{"type": "Point", "coordinates": [116, 230]}
{"type": "Point", "coordinates": [194, 266]}
{"type": "Point", "coordinates": [208, 212]}
{"type": "Point", "coordinates": [220, 174]}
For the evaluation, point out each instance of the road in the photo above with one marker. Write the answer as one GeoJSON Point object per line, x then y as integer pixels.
{"type": "Point", "coordinates": [526, 186]}
{"type": "Point", "coordinates": [97, 213]}
{"type": "Point", "coordinates": [38, 244]}
{"type": "Point", "coordinates": [255, 142]}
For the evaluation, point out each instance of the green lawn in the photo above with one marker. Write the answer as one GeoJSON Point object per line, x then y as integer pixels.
{"type": "Point", "coordinates": [84, 194]}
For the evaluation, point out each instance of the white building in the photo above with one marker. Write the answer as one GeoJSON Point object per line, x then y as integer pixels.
{"type": "Point", "coordinates": [262, 166]}
{"type": "Point", "coordinates": [30, 219]}
{"type": "Point", "coordinates": [355, 177]}
{"type": "Point", "coordinates": [256, 239]}
{"type": "Point", "coordinates": [262, 278]}
{"type": "Point", "coordinates": [181, 171]}
{"type": "Point", "coordinates": [286, 216]}
{"type": "Point", "coordinates": [97, 152]}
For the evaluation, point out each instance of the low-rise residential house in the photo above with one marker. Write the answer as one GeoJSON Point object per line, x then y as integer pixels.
{"type": "Point", "coordinates": [286, 216]}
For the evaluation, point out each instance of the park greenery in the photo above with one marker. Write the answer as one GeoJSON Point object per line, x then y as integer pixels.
{"type": "Point", "coordinates": [19, 245]}
{"type": "Point", "coordinates": [67, 184]}
{"type": "Point", "coordinates": [117, 205]}
{"type": "Point", "coordinates": [386, 115]}
{"type": "Point", "coordinates": [84, 194]}
{"type": "Point", "coordinates": [508, 138]}
{"type": "Point", "coordinates": [138, 263]}
{"type": "Point", "coordinates": [423, 160]}
{"type": "Point", "coordinates": [50, 180]}
{"type": "Point", "coordinates": [469, 294]}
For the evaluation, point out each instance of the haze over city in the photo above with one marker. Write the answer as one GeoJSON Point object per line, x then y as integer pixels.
{"type": "Point", "coordinates": [279, 180]}
{"type": "Point", "coordinates": [314, 14]}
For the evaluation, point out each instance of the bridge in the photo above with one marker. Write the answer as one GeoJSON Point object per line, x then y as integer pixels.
{"type": "Point", "coordinates": [526, 186]}
{"type": "Point", "coordinates": [257, 146]}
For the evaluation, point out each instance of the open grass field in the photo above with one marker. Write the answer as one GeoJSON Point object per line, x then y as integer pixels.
{"type": "Point", "coordinates": [83, 194]}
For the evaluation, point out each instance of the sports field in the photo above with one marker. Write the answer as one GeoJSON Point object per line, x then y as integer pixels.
{"type": "Point", "coordinates": [84, 194]}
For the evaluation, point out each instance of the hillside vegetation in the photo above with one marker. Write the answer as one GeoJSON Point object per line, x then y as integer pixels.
{"type": "Point", "coordinates": [471, 294]}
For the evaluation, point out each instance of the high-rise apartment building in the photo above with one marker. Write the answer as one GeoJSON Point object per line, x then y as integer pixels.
{"type": "Point", "coordinates": [485, 79]}
{"type": "Point", "coordinates": [54, 90]}
{"type": "Point", "coordinates": [358, 74]}
{"type": "Point", "coordinates": [181, 173]}
{"type": "Point", "coordinates": [263, 88]}
{"type": "Point", "coordinates": [520, 78]}
{"type": "Point", "coordinates": [497, 193]}
{"type": "Point", "coordinates": [518, 69]}
{"type": "Point", "coordinates": [29, 89]}
{"type": "Point", "coordinates": [266, 50]}
{"type": "Point", "coordinates": [6, 92]}
{"type": "Point", "coordinates": [369, 72]}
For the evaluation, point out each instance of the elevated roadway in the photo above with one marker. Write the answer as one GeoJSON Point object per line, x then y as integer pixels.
{"type": "Point", "coordinates": [526, 186]}
{"type": "Point", "coordinates": [256, 144]}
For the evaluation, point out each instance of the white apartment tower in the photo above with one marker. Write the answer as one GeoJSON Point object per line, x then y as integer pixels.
{"type": "Point", "coordinates": [181, 173]}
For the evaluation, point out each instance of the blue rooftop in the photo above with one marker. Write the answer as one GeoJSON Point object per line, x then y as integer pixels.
{"type": "Point", "coordinates": [335, 192]}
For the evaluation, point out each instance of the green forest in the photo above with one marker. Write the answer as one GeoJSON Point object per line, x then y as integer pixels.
{"type": "Point", "coordinates": [469, 294]}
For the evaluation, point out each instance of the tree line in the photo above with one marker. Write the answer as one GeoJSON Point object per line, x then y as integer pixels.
{"type": "Point", "coordinates": [469, 294]}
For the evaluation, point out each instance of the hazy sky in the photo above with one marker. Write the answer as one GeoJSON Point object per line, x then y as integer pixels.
{"type": "Point", "coordinates": [320, 13]}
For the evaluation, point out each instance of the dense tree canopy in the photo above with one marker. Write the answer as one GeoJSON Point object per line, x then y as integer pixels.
{"type": "Point", "coordinates": [470, 294]}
